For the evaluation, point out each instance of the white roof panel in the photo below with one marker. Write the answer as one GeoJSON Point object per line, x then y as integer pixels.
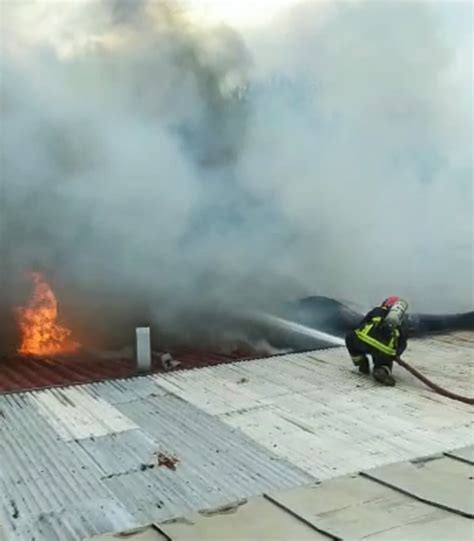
{"type": "Point", "coordinates": [256, 519]}
{"type": "Point", "coordinates": [70, 471]}
{"type": "Point", "coordinates": [444, 482]}
{"type": "Point", "coordinates": [78, 462]}
{"type": "Point", "coordinates": [316, 411]}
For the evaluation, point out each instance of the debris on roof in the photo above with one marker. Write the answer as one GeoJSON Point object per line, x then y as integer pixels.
{"type": "Point", "coordinates": [23, 373]}
{"type": "Point", "coordinates": [351, 507]}
{"type": "Point", "coordinates": [74, 461]}
{"type": "Point", "coordinates": [167, 460]}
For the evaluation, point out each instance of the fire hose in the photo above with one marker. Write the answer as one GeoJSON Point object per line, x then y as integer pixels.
{"type": "Point", "coordinates": [434, 386]}
{"type": "Point", "coordinates": [337, 341]}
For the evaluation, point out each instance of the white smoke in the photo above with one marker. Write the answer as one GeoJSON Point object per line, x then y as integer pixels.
{"type": "Point", "coordinates": [148, 160]}
{"type": "Point", "coordinates": [373, 167]}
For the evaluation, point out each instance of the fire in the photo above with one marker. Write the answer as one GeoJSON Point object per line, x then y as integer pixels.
{"type": "Point", "coordinates": [40, 332]}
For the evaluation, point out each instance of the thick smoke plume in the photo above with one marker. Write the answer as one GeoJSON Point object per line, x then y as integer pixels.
{"type": "Point", "coordinates": [153, 165]}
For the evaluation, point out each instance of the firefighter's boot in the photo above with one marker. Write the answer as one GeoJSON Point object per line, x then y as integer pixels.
{"type": "Point", "coordinates": [362, 363]}
{"type": "Point", "coordinates": [383, 375]}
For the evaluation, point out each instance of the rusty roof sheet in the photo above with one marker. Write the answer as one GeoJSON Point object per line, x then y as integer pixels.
{"type": "Point", "coordinates": [25, 373]}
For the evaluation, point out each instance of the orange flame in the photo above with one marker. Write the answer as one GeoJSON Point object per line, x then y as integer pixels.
{"type": "Point", "coordinates": [40, 333]}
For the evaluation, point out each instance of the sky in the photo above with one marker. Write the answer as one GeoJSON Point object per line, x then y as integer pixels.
{"type": "Point", "coordinates": [177, 155]}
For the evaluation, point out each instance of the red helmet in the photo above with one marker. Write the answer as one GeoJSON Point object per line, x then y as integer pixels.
{"type": "Point", "coordinates": [390, 301]}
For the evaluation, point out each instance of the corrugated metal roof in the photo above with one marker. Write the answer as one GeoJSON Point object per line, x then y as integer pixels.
{"type": "Point", "coordinates": [316, 411]}
{"type": "Point", "coordinates": [22, 373]}
{"type": "Point", "coordinates": [79, 461]}
{"type": "Point", "coordinates": [353, 507]}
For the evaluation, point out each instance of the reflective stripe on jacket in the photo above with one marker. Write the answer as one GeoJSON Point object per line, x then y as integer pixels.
{"type": "Point", "coordinates": [366, 334]}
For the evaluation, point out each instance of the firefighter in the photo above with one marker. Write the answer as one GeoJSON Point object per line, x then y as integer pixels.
{"type": "Point", "coordinates": [382, 334]}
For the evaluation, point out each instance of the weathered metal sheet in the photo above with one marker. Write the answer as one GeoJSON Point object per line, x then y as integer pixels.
{"type": "Point", "coordinates": [316, 411]}
{"type": "Point", "coordinates": [354, 507]}
{"type": "Point", "coordinates": [245, 521]}
{"type": "Point", "coordinates": [466, 454]}
{"type": "Point", "coordinates": [25, 373]}
{"type": "Point", "coordinates": [75, 414]}
{"type": "Point", "coordinates": [22, 373]}
{"type": "Point", "coordinates": [443, 482]}
{"type": "Point", "coordinates": [350, 507]}
{"type": "Point", "coordinates": [49, 488]}
{"type": "Point", "coordinates": [78, 462]}
{"type": "Point", "coordinates": [148, 533]}
{"type": "Point", "coordinates": [216, 462]}
{"type": "Point", "coordinates": [74, 465]}
{"type": "Point", "coordinates": [125, 390]}
{"type": "Point", "coordinates": [448, 528]}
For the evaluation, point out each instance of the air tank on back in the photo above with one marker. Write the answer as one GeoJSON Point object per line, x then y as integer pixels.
{"type": "Point", "coordinates": [397, 314]}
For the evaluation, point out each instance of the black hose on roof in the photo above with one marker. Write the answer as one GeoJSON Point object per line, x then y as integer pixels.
{"type": "Point", "coordinates": [434, 386]}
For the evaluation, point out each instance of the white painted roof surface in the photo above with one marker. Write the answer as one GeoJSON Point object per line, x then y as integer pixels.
{"type": "Point", "coordinates": [314, 410]}
{"type": "Point", "coordinates": [75, 462]}
{"type": "Point", "coordinates": [445, 482]}
{"type": "Point", "coordinates": [466, 454]}
{"type": "Point", "coordinates": [359, 507]}
{"type": "Point", "coordinates": [256, 519]}
{"type": "Point", "coordinates": [147, 533]}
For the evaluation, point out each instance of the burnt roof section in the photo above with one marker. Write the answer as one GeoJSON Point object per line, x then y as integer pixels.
{"type": "Point", "coordinates": [26, 373]}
